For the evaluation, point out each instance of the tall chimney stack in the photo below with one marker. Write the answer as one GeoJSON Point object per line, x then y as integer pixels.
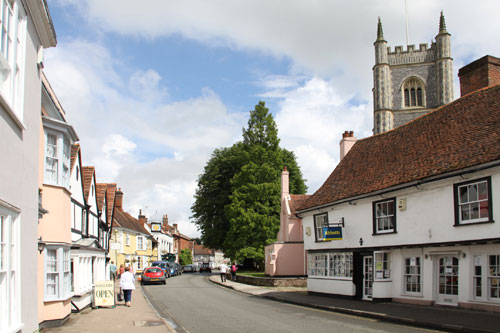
{"type": "Point", "coordinates": [119, 199]}
{"type": "Point", "coordinates": [285, 183]}
{"type": "Point", "coordinates": [482, 73]}
{"type": "Point", "coordinates": [142, 219]}
{"type": "Point", "coordinates": [348, 140]}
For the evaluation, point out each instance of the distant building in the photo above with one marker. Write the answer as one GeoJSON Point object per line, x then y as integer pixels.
{"type": "Point", "coordinates": [410, 83]}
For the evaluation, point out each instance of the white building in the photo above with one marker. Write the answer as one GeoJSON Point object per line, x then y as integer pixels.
{"type": "Point", "coordinates": [409, 214]}
{"type": "Point", "coordinates": [27, 29]}
{"type": "Point", "coordinates": [163, 237]}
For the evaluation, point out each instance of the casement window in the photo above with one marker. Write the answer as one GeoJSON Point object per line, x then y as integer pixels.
{"type": "Point", "coordinates": [84, 222]}
{"type": "Point", "coordinates": [412, 278]}
{"type": "Point", "coordinates": [384, 216]}
{"type": "Point", "coordinates": [127, 240]}
{"type": "Point", "coordinates": [57, 273]}
{"type": "Point", "coordinates": [141, 245]}
{"type": "Point", "coordinates": [332, 264]}
{"type": "Point", "coordinates": [413, 93]}
{"type": "Point", "coordinates": [10, 302]}
{"type": "Point", "coordinates": [382, 266]}
{"type": "Point", "coordinates": [141, 262]}
{"type": "Point", "coordinates": [12, 55]}
{"type": "Point", "coordinates": [57, 159]}
{"type": "Point", "coordinates": [473, 202]}
{"type": "Point", "coordinates": [320, 222]}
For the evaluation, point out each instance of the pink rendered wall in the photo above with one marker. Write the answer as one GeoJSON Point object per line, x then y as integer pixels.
{"type": "Point", "coordinates": [294, 230]}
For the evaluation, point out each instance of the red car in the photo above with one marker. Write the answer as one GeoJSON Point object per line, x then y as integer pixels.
{"type": "Point", "coordinates": [153, 275]}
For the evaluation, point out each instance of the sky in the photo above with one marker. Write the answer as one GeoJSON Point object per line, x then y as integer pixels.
{"type": "Point", "coordinates": [152, 87]}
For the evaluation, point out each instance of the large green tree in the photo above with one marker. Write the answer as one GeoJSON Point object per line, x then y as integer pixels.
{"type": "Point", "coordinates": [185, 257]}
{"type": "Point", "coordinates": [237, 202]}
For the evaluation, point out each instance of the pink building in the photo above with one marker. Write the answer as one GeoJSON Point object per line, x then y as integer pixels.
{"type": "Point", "coordinates": [286, 256]}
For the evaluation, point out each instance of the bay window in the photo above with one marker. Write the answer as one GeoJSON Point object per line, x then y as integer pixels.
{"type": "Point", "coordinates": [57, 159]}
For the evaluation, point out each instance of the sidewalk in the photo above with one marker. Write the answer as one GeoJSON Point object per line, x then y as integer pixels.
{"type": "Point", "coordinates": [439, 318]}
{"type": "Point", "coordinates": [138, 318]}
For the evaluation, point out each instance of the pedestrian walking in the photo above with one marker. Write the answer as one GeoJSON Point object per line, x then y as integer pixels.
{"type": "Point", "coordinates": [112, 270]}
{"type": "Point", "coordinates": [223, 271]}
{"type": "Point", "coordinates": [127, 284]}
{"type": "Point", "coordinates": [233, 271]}
{"type": "Point", "coordinates": [121, 271]}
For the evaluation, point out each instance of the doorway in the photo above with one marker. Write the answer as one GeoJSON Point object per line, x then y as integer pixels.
{"type": "Point", "coordinates": [447, 280]}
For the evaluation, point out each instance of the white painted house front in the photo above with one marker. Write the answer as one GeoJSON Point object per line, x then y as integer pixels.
{"type": "Point", "coordinates": [410, 214]}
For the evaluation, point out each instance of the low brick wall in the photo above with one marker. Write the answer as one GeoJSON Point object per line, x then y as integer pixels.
{"type": "Point", "coordinates": [273, 281]}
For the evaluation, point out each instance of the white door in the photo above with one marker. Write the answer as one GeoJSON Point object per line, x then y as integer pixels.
{"type": "Point", "coordinates": [447, 280]}
{"type": "Point", "coordinates": [367, 277]}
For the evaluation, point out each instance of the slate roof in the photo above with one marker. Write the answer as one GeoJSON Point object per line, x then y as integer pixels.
{"type": "Point", "coordinates": [462, 134]}
{"type": "Point", "coordinates": [87, 174]}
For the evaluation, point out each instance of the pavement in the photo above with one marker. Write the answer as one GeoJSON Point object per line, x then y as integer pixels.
{"type": "Point", "coordinates": [141, 317]}
{"type": "Point", "coordinates": [448, 319]}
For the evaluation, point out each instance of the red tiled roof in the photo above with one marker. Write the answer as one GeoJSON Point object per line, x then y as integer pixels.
{"type": "Point", "coordinates": [296, 201]}
{"type": "Point", "coordinates": [87, 174]}
{"type": "Point", "coordinates": [75, 151]}
{"type": "Point", "coordinates": [101, 193]}
{"type": "Point", "coordinates": [462, 134]}
{"type": "Point", "coordinates": [125, 220]}
{"type": "Point", "coordinates": [201, 250]}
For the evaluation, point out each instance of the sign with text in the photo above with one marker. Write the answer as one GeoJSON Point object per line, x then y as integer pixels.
{"type": "Point", "coordinates": [332, 233]}
{"type": "Point", "coordinates": [104, 293]}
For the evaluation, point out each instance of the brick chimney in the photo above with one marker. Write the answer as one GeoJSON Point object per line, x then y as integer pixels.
{"type": "Point", "coordinates": [484, 72]}
{"type": "Point", "coordinates": [348, 140]}
{"type": "Point", "coordinates": [285, 183]}
{"type": "Point", "coordinates": [119, 199]}
{"type": "Point", "coordinates": [142, 219]}
{"type": "Point", "coordinates": [165, 220]}
{"type": "Point", "coordinates": [175, 226]}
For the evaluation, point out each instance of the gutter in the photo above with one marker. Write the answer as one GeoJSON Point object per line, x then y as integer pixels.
{"type": "Point", "coordinates": [469, 170]}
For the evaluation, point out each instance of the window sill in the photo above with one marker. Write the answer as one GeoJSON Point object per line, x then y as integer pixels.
{"type": "Point", "coordinates": [473, 223]}
{"type": "Point", "coordinates": [329, 278]}
{"type": "Point", "coordinates": [382, 280]}
{"type": "Point", "coordinates": [10, 111]}
{"type": "Point", "coordinates": [15, 328]}
{"type": "Point", "coordinates": [416, 295]}
{"type": "Point", "coordinates": [54, 299]}
{"type": "Point", "coordinates": [384, 233]}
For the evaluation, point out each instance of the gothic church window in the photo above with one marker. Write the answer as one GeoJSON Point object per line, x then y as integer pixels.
{"type": "Point", "coordinates": [413, 93]}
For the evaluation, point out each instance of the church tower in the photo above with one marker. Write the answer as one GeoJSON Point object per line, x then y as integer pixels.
{"type": "Point", "coordinates": [409, 83]}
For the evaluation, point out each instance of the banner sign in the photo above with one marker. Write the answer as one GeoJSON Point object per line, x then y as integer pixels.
{"type": "Point", "coordinates": [332, 233]}
{"type": "Point", "coordinates": [104, 293]}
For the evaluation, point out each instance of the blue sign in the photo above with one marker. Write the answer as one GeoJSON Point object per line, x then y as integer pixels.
{"type": "Point", "coordinates": [332, 233]}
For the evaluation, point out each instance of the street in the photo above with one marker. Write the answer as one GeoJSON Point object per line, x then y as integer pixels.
{"type": "Point", "coordinates": [191, 303]}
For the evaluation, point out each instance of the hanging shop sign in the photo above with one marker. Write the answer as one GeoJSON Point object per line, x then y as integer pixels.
{"type": "Point", "coordinates": [332, 233]}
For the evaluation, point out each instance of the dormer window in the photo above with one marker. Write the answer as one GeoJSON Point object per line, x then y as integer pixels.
{"type": "Point", "coordinates": [413, 93]}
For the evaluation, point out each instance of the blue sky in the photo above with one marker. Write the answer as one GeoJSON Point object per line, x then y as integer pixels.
{"type": "Point", "coordinates": [153, 89]}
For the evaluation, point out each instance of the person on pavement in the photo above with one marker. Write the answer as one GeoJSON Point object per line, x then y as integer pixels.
{"type": "Point", "coordinates": [223, 270]}
{"type": "Point", "coordinates": [112, 270]}
{"type": "Point", "coordinates": [127, 283]}
{"type": "Point", "coordinates": [233, 271]}
{"type": "Point", "coordinates": [121, 271]}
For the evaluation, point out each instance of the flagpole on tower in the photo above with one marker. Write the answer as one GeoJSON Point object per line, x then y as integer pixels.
{"type": "Point", "coordinates": [406, 21]}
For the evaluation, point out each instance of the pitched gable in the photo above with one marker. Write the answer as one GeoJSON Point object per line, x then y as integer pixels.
{"type": "Point", "coordinates": [459, 135]}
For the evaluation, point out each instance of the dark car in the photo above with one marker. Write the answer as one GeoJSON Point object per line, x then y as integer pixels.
{"type": "Point", "coordinates": [205, 268]}
{"type": "Point", "coordinates": [153, 275]}
{"type": "Point", "coordinates": [180, 268]}
{"type": "Point", "coordinates": [190, 268]}
{"type": "Point", "coordinates": [164, 265]}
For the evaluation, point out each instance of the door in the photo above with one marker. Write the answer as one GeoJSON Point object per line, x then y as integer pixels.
{"type": "Point", "coordinates": [367, 277]}
{"type": "Point", "coordinates": [447, 280]}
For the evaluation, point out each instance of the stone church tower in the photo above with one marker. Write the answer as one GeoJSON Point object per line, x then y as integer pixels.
{"type": "Point", "coordinates": [410, 83]}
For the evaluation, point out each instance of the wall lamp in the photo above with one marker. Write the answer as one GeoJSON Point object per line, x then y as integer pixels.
{"type": "Point", "coordinates": [41, 245]}
{"type": "Point", "coordinates": [361, 241]}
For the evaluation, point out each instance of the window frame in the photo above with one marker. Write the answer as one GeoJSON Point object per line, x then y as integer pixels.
{"type": "Point", "coordinates": [457, 204]}
{"type": "Point", "coordinates": [383, 257]}
{"type": "Point", "coordinates": [413, 93]}
{"type": "Point", "coordinates": [375, 218]}
{"type": "Point", "coordinates": [62, 273]}
{"type": "Point", "coordinates": [340, 269]}
{"type": "Point", "coordinates": [142, 247]}
{"type": "Point", "coordinates": [319, 238]}
{"type": "Point", "coordinates": [10, 284]}
{"type": "Point", "coordinates": [419, 275]}
{"type": "Point", "coordinates": [63, 146]}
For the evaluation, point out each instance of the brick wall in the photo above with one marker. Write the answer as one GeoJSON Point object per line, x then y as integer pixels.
{"type": "Point", "coordinates": [479, 74]}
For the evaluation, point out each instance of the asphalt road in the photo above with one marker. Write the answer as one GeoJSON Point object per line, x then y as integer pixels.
{"type": "Point", "coordinates": [191, 303]}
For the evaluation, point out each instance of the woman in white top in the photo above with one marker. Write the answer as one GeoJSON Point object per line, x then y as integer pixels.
{"type": "Point", "coordinates": [127, 283]}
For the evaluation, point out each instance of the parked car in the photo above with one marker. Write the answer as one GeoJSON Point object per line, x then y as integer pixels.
{"type": "Point", "coordinates": [180, 269]}
{"type": "Point", "coordinates": [172, 268]}
{"type": "Point", "coordinates": [205, 267]}
{"type": "Point", "coordinates": [190, 268]}
{"type": "Point", "coordinates": [153, 275]}
{"type": "Point", "coordinates": [164, 266]}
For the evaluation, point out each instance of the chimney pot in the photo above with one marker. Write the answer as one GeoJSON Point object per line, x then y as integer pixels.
{"type": "Point", "coordinates": [348, 140]}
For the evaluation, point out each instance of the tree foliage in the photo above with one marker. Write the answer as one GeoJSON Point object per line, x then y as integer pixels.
{"type": "Point", "coordinates": [185, 257]}
{"type": "Point", "coordinates": [237, 202]}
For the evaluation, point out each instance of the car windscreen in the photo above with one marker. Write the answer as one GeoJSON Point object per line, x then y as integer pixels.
{"type": "Point", "coordinates": [154, 270]}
